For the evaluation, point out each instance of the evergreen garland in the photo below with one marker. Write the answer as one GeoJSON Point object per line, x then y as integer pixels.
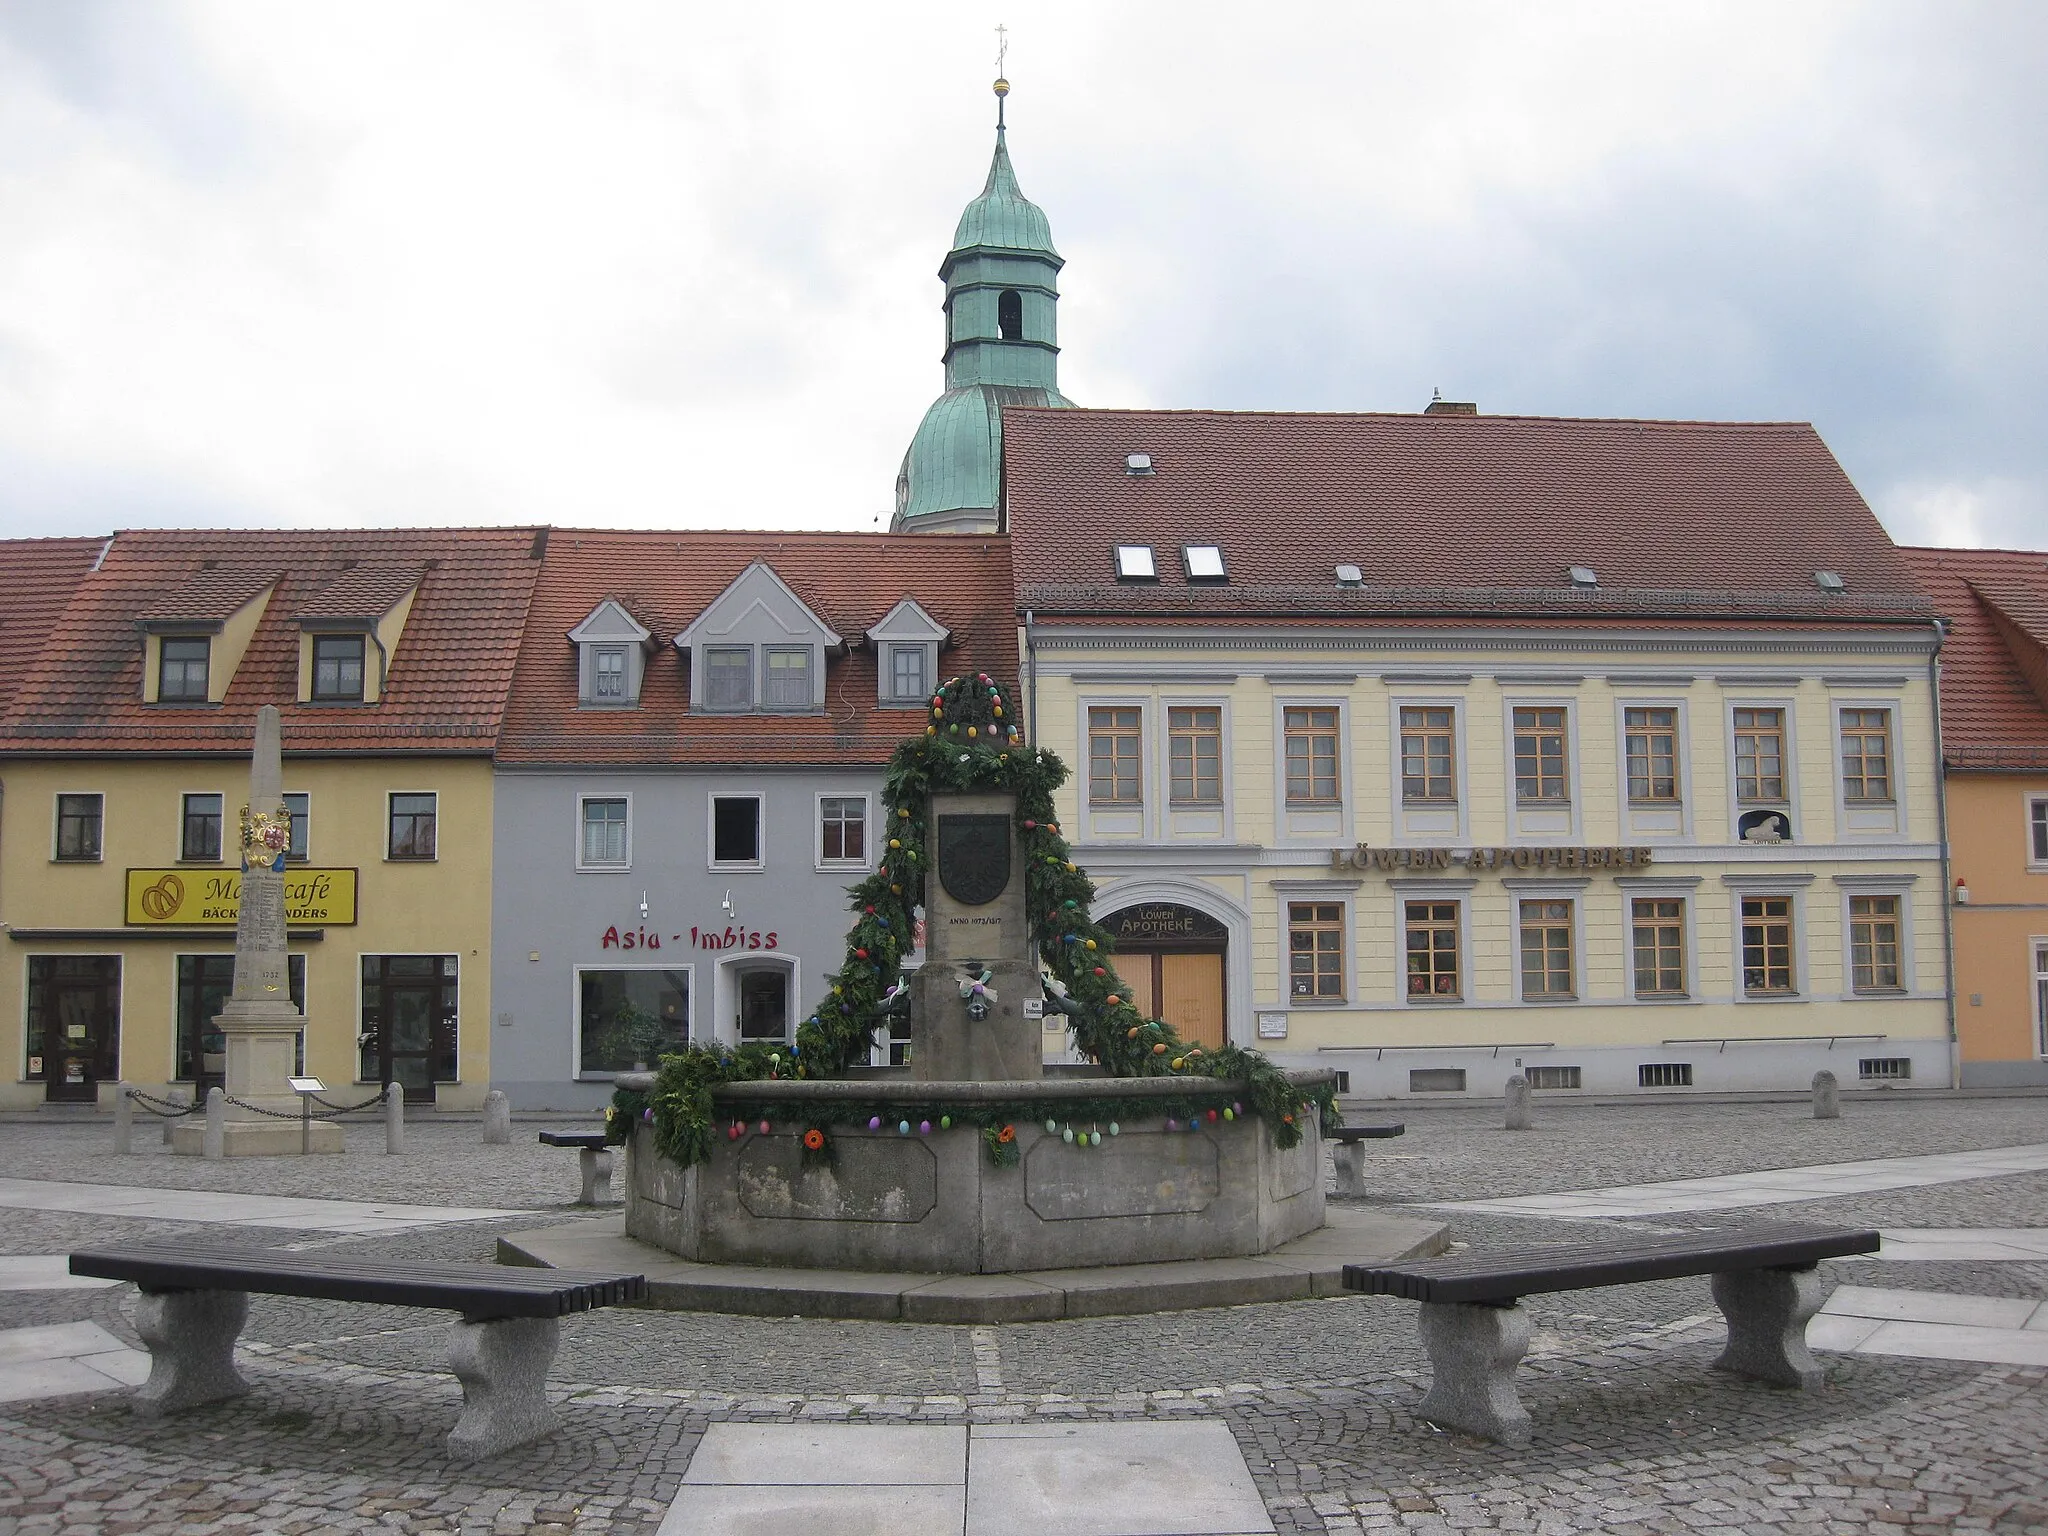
{"type": "Point", "coordinates": [970, 743]}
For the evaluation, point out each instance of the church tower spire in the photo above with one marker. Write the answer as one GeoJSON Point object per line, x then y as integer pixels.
{"type": "Point", "coordinates": [1001, 308]}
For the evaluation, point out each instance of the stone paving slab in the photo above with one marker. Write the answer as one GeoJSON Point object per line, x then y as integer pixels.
{"type": "Point", "coordinates": [231, 1210]}
{"type": "Point", "coordinates": [61, 1359]}
{"type": "Point", "coordinates": [1870, 1320]}
{"type": "Point", "coordinates": [1771, 1186]}
{"type": "Point", "coordinates": [1310, 1266]}
{"type": "Point", "coordinates": [45, 1272]}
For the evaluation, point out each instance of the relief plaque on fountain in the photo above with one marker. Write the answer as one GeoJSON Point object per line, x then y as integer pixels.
{"type": "Point", "coordinates": [968, 1016]}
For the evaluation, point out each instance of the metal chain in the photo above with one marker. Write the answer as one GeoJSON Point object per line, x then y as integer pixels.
{"type": "Point", "coordinates": [171, 1110]}
{"type": "Point", "coordinates": [280, 1114]}
{"type": "Point", "coordinates": [347, 1109]}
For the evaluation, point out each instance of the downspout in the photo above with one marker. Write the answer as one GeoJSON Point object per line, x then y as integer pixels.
{"type": "Point", "coordinates": [1030, 678]}
{"type": "Point", "coordinates": [1948, 909]}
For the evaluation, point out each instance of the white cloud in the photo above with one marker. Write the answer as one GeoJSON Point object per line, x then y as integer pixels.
{"type": "Point", "coordinates": [453, 262]}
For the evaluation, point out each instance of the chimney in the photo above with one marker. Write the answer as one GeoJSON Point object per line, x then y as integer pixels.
{"type": "Point", "coordinates": [1442, 407]}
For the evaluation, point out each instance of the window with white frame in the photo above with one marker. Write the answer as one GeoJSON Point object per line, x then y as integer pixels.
{"type": "Point", "coordinates": [414, 822]}
{"type": "Point", "coordinates": [1658, 933]}
{"type": "Point", "coordinates": [2037, 830]}
{"type": "Point", "coordinates": [181, 669]}
{"type": "Point", "coordinates": [1195, 754]}
{"type": "Point", "coordinates": [736, 831]}
{"type": "Point", "coordinates": [1874, 944]}
{"type": "Point", "coordinates": [908, 680]}
{"type": "Point", "coordinates": [1866, 756]}
{"type": "Point", "coordinates": [630, 1017]}
{"type": "Point", "coordinates": [1429, 935]}
{"type": "Point", "coordinates": [1651, 739]}
{"type": "Point", "coordinates": [2041, 996]}
{"type": "Point", "coordinates": [1767, 947]}
{"type": "Point", "coordinates": [608, 674]}
{"type": "Point", "coordinates": [728, 676]}
{"type": "Point", "coordinates": [1429, 754]}
{"type": "Point", "coordinates": [1760, 756]}
{"type": "Point", "coordinates": [605, 832]}
{"type": "Point", "coordinates": [199, 830]}
{"type": "Point", "coordinates": [788, 683]}
{"type": "Point", "coordinates": [1546, 936]}
{"type": "Point", "coordinates": [1310, 736]}
{"type": "Point", "coordinates": [79, 822]}
{"type": "Point", "coordinates": [843, 830]}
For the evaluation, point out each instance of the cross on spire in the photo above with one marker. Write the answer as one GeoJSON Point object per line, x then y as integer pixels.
{"type": "Point", "coordinates": [1002, 84]}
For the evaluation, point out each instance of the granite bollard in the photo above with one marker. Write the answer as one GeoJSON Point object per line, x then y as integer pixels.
{"type": "Point", "coordinates": [497, 1119]}
{"type": "Point", "coordinates": [1827, 1097]}
{"type": "Point", "coordinates": [1519, 1117]}
{"type": "Point", "coordinates": [394, 1119]}
{"type": "Point", "coordinates": [183, 1100]}
{"type": "Point", "coordinates": [214, 1137]}
{"type": "Point", "coordinates": [124, 1121]}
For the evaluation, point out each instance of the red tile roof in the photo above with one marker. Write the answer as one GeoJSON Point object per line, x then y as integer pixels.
{"type": "Point", "coordinates": [1473, 515]}
{"type": "Point", "coordinates": [362, 592]}
{"type": "Point", "coordinates": [1994, 666]}
{"type": "Point", "coordinates": [37, 578]}
{"type": "Point", "coordinates": [81, 688]}
{"type": "Point", "coordinates": [850, 580]}
{"type": "Point", "coordinates": [209, 597]}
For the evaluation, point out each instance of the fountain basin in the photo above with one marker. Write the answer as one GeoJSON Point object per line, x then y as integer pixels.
{"type": "Point", "coordinates": [937, 1204]}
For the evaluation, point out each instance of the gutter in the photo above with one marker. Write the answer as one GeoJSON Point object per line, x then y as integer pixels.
{"type": "Point", "coordinates": [1948, 907]}
{"type": "Point", "coordinates": [1030, 676]}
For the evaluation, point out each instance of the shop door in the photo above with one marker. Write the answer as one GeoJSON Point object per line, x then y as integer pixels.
{"type": "Point", "coordinates": [764, 1004]}
{"type": "Point", "coordinates": [74, 1024]}
{"type": "Point", "coordinates": [409, 1013]}
{"type": "Point", "coordinates": [1191, 997]}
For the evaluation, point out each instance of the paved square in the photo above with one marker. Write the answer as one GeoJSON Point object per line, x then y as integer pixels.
{"type": "Point", "coordinates": [1171, 1479]}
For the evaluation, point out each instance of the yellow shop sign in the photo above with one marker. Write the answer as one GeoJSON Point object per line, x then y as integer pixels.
{"type": "Point", "coordinates": [203, 898]}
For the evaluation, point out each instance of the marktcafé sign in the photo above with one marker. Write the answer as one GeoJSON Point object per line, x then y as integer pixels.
{"type": "Point", "coordinates": [195, 898]}
{"type": "Point", "coordinates": [1390, 859]}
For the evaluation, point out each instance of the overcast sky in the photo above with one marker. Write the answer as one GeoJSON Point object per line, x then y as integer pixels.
{"type": "Point", "coordinates": [399, 261]}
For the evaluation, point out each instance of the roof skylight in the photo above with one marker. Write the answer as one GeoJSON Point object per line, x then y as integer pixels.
{"type": "Point", "coordinates": [1204, 562]}
{"type": "Point", "coordinates": [1138, 464]}
{"type": "Point", "coordinates": [1584, 576]}
{"type": "Point", "coordinates": [1134, 563]}
{"type": "Point", "coordinates": [1830, 582]}
{"type": "Point", "coordinates": [1350, 576]}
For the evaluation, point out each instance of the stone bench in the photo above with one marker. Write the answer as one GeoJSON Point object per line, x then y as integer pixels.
{"type": "Point", "coordinates": [195, 1299]}
{"type": "Point", "coordinates": [596, 1161]}
{"type": "Point", "coordinates": [1347, 1151]}
{"type": "Point", "coordinates": [1765, 1282]}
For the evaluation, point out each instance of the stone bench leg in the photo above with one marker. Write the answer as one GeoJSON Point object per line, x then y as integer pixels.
{"type": "Point", "coordinates": [1349, 1156]}
{"type": "Point", "coordinates": [1767, 1312]}
{"type": "Point", "coordinates": [191, 1337]}
{"type": "Point", "coordinates": [1473, 1351]}
{"type": "Point", "coordinates": [503, 1367]}
{"type": "Point", "coordinates": [597, 1176]}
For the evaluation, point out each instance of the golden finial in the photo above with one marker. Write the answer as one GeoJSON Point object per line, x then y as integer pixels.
{"type": "Point", "coordinates": [1002, 85]}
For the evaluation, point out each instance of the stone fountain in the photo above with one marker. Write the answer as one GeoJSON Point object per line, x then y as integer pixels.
{"type": "Point", "coordinates": [907, 1191]}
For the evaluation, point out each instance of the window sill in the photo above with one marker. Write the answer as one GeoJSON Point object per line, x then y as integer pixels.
{"type": "Point", "coordinates": [1116, 805]}
{"type": "Point", "coordinates": [95, 859]}
{"type": "Point", "coordinates": [1772, 997]}
{"type": "Point", "coordinates": [1671, 804]}
{"type": "Point", "coordinates": [1662, 997]}
{"type": "Point", "coordinates": [1314, 805]}
{"type": "Point", "coordinates": [1194, 805]}
{"type": "Point", "coordinates": [1522, 804]}
{"type": "Point", "coordinates": [737, 867]}
{"type": "Point", "coordinates": [851, 866]}
{"type": "Point", "coordinates": [1432, 1000]}
{"type": "Point", "coordinates": [1877, 992]}
{"type": "Point", "coordinates": [1548, 1000]}
{"type": "Point", "coordinates": [608, 704]}
{"type": "Point", "coordinates": [1427, 803]}
{"type": "Point", "coordinates": [410, 858]}
{"type": "Point", "coordinates": [181, 704]}
{"type": "Point", "coordinates": [605, 869]}
{"type": "Point", "coordinates": [1319, 1002]}
{"type": "Point", "coordinates": [213, 863]}
{"type": "Point", "coordinates": [320, 703]}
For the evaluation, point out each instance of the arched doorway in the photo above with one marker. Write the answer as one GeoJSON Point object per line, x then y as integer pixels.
{"type": "Point", "coordinates": [1173, 956]}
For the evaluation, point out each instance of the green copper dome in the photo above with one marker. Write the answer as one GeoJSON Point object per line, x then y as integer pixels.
{"type": "Point", "coordinates": [1002, 348]}
{"type": "Point", "coordinates": [1003, 216]}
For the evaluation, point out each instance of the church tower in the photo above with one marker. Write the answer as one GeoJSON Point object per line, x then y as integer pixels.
{"type": "Point", "coordinates": [1002, 301]}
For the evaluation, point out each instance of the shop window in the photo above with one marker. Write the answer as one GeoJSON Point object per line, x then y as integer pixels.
{"type": "Point", "coordinates": [204, 984]}
{"type": "Point", "coordinates": [199, 835]}
{"type": "Point", "coordinates": [625, 1018]}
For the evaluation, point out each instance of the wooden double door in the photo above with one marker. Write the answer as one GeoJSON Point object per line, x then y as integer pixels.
{"type": "Point", "coordinates": [1183, 987]}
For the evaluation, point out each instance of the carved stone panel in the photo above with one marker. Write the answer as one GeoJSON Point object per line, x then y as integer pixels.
{"type": "Point", "coordinates": [1163, 1173]}
{"type": "Point", "coordinates": [875, 1179]}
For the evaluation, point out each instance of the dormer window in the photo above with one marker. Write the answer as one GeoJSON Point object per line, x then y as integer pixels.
{"type": "Point", "coordinates": [906, 642]}
{"type": "Point", "coordinates": [788, 684]}
{"type": "Point", "coordinates": [181, 668]}
{"type": "Point", "coordinates": [611, 649]}
{"type": "Point", "coordinates": [908, 681]}
{"type": "Point", "coordinates": [338, 669]}
{"type": "Point", "coordinates": [728, 676]}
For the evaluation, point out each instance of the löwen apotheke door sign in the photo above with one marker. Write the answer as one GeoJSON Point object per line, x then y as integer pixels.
{"type": "Point", "coordinates": [202, 898]}
{"type": "Point", "coordinates": [1517, 860]}
{"type": "Point", "coordinates": [1155, 922]}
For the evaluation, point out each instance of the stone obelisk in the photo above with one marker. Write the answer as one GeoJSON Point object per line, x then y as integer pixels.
{"type": "Point", "coordinates": [260, 1021]}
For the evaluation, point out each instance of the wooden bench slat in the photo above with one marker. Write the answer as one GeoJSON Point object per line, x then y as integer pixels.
{"type": "Point", "coordinates": [475, 1290]}
{"type": "Point", "coordinates": [595, 1140]}
{"type": "Point", "coordinates": [1503, 1276]}
{"type": "Point", "coordinates": [1369, 1132]}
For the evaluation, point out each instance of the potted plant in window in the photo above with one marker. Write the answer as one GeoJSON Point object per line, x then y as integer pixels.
{"type": "Point", "coordinates": [636, 1035]}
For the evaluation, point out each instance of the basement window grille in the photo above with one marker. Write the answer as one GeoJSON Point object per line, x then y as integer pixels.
{"type": "Point", "coordinates": [1553, 1077]}
{"type": "Point", "coordinates": [1664, 1074]}
{"type": "Point", "coordinates": [1885, 1068]}
{"type": "Point", "coordinates": [1437, 1080]}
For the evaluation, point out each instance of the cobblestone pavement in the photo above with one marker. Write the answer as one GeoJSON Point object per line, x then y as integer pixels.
{"type": "Point", "coordinates": [1633, 1433]}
